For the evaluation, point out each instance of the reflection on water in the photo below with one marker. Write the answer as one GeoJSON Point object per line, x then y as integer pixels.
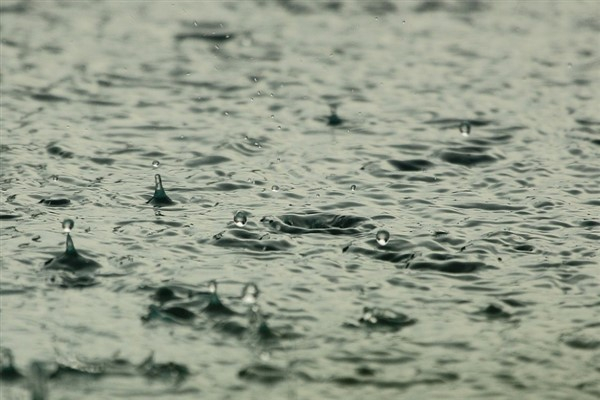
{"type": "Point", "coordinates": [395, 199]}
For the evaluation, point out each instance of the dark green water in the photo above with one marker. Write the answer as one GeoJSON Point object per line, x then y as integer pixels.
{"type": "Point", "coordinates": [292, 138]}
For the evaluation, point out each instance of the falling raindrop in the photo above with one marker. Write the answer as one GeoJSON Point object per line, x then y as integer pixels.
{"type": "Point", "coordinates": [240, 218]}
{"type": "Point", "coordinates": [382, 237]}
{"type": "Point", "coordinates": [212, 287]}
{"type": "Point", "coordinates": [155, 163]}
{"type": "Point", "coordinates": [67, 225]}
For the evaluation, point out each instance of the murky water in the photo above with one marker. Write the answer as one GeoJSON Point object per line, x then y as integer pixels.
{"type": "Point", "coordinates": [361, 200]}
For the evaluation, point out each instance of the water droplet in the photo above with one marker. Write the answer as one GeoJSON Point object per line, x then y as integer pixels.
{"type": "Point", "coordinates": [275, 188]}
{"type": "Point", "coordinates": [226, 113]}
{"type": "Point", "coordinates": [369, 316]}
{"type": "Point", "coordinates": [195, 23]}
{"type": "Point", "coordinates": [353, 188]}
{"type": "Point", "coordinates": [212, 287]}
{"type": "Point", "coordinates": [155, 163]}
{"type": "Point", "coordinates": [158, 213]}
{"type": "Point", "coordinates": [250, 294]}
{"type": "Point", "coordinates": [240, 218]}
{"type": "Point", "coordinates": [217, 47]}
{"type": "Point", "coordinates": [382, 237]}
{"type": "Point", "coordinates": [67, 225]}
{"type": "Point", "coordinates": [465, 128]}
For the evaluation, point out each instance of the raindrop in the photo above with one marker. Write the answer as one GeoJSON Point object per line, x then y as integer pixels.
{"type": "Point", "coordinates": [275, 188]}
{"type": "Point", "coordinates": [250, 294]}
{"type": "Point", "coordinates": [382, 237]}
{"type": "Point", "coordinates": [155, 163]}
{"type": "Point", "coordinates": [465, 128]}
{"type": "Point", "coordinates": [353, 188]}
{"type": "Point", "coordinates": [67, 225]}
{"type": "Point", "coordinates": [240, 218]}
{"type": "Point", "coordinates": [226, 113]}
{"type": "Point", "coordinates": [195, 23]}
{"type": "Point", "coordinates": [212, 287]}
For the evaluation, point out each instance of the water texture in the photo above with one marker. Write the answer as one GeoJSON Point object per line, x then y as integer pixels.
{"type": "Point", "coordinates": [358, 199]}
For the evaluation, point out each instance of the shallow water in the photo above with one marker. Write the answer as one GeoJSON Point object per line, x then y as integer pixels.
{"type": "Point", "coordinates": [291, 136]}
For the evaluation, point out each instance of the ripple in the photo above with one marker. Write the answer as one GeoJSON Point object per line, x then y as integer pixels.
{"type": "Point", "coordinates": [315, 223]}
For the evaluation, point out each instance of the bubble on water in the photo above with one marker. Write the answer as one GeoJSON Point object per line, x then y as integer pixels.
{"type": "Point", "coordinates": [250, 294]}
{"type": "Point", "coordinates": [275, 188]}
{"type": "Point", "coordinates": [155, 163]}
{"type": "Point", "coordinates": [353, 188]}
{"type": "Point", "coordinates": [67, 225]}
{"type": "Point", "coordinates": [240, 218]}
{"type": "Point", "coordinates": [212, 287]}
{"type": "Point", "coordinates": [465, 128]}
{"type": "Point", "coordinates": [382, 237]}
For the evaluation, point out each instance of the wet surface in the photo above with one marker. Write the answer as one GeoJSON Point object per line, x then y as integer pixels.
{"type": "Point", "coordinates": [411, 187]}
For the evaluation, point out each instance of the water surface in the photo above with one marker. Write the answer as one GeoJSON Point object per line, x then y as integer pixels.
{"type": "Point", "coordinates": [412, 187]}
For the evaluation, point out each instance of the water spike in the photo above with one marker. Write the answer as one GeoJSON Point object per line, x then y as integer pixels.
{"type": "Point", "coordinates": [333, 119]}
{"type": "Point", "coordinates": [215, 306]}
{"type": "Point", "coordinates": [70, 246]}
{"type": "Point", "coordinates": [160, 196]}
{"type": "Point", "coordinates": [158, 186]}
